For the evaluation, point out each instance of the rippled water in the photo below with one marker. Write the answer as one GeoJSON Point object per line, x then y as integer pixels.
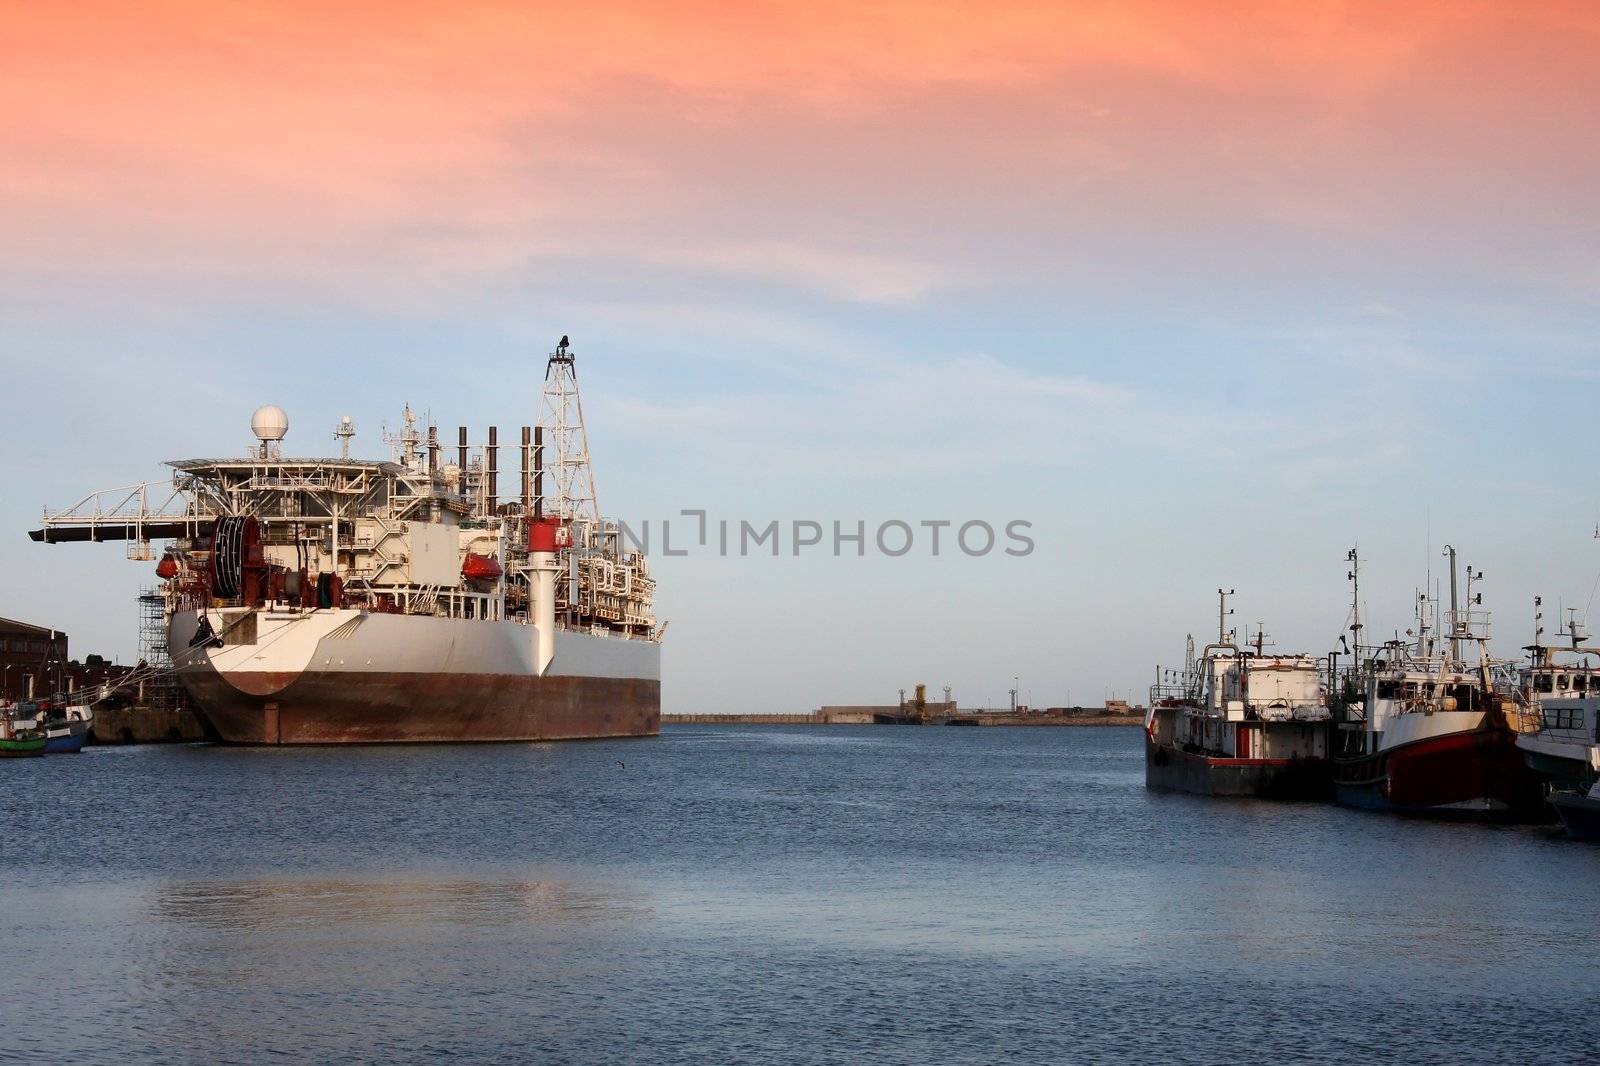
{"type": "Point", "coordinates": [763, 895]}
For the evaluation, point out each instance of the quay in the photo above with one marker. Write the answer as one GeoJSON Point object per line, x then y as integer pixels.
{"type": "Point", "coordinates": [1120, 715]}
{"type": "Point", "coordinates": [179, 725]}
{"type": "Point", "coordinates": [147, 725]}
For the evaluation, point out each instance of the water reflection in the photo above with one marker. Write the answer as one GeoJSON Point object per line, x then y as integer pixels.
{"type": "Point", "coordinates": [947, 896]}
{"type": "Point", "coordinates": [307, 903]}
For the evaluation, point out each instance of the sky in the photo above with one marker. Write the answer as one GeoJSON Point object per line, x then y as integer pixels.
{"type": "Point", "coordinates": [1207, 294]}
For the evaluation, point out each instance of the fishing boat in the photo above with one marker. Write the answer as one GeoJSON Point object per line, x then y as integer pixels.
{"type": "Point", "coordinates": [66, 735]}
{"type": "Point", "coordinates": [1239, 722]}
{"type": "Point", "coordinates": [1432, 731]}
{"type": "Point", "coordinates": [64, 728]}
{"type": "Point", "coordinates": [17, 743]}
{"type": "Point", "coordinates": [1561, 718]}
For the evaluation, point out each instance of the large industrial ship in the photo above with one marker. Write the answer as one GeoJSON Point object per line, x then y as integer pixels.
{"type": "Point", "coordinates": [344, 600]}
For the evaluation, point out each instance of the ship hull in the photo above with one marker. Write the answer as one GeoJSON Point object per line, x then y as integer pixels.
{"type": "Point", "coordinates": [352, 678]}
{"type": "Point", "coordinates": [1579, 814]}
{"type": "Point", "coordinates": [1170, 769]}
{"type": "Point", "coordinates": [1560, 771]}
{"type": "Point", "coordinates": [1562, 763]}
{"type": "Point", "coordinates": [1471, 774]}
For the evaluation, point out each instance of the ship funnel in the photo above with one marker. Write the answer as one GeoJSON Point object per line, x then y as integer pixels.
{"type": "Point", "coordinates": [545, 538]}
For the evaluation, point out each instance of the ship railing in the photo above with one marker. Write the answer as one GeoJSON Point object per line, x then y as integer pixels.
{"type": "Point", "coordinates": [425, 600]}
{"type": "Point", "coordinates": [129, 503]}
{"type": "Point", "coordinates": [281, 483]}
{"type": "Point", "coordinates": [1468, 624]}
{"type": "Point", "coordinates": [1284, 702]}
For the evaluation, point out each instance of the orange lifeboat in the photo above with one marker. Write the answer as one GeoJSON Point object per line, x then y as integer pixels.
{"type": "Point", "coordinates": [167, 568]}
{"type": "Point", "coordinates": [477, 567]}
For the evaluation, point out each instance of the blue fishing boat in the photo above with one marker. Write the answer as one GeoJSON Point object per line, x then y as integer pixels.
{"type": "Point", "coordinates": [65, 736]}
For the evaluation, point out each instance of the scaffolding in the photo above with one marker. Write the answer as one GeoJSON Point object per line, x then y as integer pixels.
{"type": "Point", "coordinates": [159, 687]}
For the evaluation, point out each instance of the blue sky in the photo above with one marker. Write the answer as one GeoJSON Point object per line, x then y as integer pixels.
{"type": "Point", "coordinates": [1205, 307]}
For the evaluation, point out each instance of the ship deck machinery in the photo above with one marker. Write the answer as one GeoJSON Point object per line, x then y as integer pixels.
{"type": "Point", "coordinates": [345, 600]}
{"type": "Point", "coordinates": [1239, 722]}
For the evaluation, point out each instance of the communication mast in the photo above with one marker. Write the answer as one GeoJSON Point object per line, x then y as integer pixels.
{"type": "Point", "coordinates": [604, 585]}
{"type": "Point", "coordinates": [573, 497]}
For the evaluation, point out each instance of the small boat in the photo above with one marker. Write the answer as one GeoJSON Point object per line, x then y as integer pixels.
{"type": "Point", "coordinates": [477, 567]}
{"type": "Point", "coordinates": [65, 736]}
{"type": "Point", "coordinates": [1579, 812]}
{"type": "Point", "coordinates": [64, 729]}
{"type": "Point", "coordinates": [17, 743]}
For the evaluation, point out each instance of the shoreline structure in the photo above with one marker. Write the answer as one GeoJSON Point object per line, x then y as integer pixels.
{"type": "Point", "coordinates": [828, 716]}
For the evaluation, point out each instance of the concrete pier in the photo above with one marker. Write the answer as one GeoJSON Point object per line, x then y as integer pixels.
{"type": "Point", "coordinates": [146, 725]}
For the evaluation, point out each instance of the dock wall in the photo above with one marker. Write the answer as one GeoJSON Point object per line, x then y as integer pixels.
{"type": "Point", "coordinates": [146, 725]}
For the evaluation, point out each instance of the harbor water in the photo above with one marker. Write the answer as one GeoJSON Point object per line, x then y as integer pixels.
{"type": "Point", "coordinates": [764, 895]}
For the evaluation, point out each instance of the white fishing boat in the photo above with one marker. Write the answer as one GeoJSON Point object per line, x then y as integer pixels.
{"type": "Point", "coordinates": [1433, 730]}
{"type": "Point", "coordinates": [1560, 724]}
{"type": "Point", "coordinates": [1237, 721]}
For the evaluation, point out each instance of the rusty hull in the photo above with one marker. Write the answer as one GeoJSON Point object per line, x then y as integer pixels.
{"type": "Point", "coordinates": [369, 708]}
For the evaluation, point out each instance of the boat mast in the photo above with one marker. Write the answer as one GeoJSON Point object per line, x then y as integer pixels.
{"type": "Point", "coordinates": [1455, 607]}
{"type": "Point", "coordinates": [1355, 601]}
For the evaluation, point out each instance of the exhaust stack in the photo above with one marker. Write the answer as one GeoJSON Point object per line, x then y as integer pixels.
{"type": "Point", "coordinates": [527, 470]}
{"type": "Point", "coordinates": [492, 465]}
{"type": "Point", "coordinates": [543, 540]}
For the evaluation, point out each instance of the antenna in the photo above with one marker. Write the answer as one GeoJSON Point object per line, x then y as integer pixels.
{"type": "Point", "coordinates": [404, 445]}
{"type": "Point", "coordinates": [1354, 577]}
{"type": "Point", "coordinates": [1575, 628]}
{"type": "Point", "coordinates": [345, 430]}
{"type": "Point", "coordinates": [1223, 611]}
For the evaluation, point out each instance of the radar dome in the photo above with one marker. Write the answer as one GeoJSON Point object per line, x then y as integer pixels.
{"type": "Point", "coordinates": [269, 423]}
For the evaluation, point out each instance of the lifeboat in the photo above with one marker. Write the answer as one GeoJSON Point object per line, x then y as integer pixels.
{"type": "Point", "coordinates": [477, 567]}
{"type": "Point", "coordinates": [167, 568]}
